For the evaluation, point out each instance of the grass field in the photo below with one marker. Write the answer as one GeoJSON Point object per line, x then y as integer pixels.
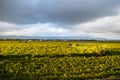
{"type": "Point", "coordinates": [56, 60]}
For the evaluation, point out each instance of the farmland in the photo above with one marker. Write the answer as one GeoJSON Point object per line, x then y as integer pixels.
{"type": "Point", "coordinates": [41, 60]}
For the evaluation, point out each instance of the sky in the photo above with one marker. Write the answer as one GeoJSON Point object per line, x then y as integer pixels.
{"type": "Point", "coordinates": [83, 18]}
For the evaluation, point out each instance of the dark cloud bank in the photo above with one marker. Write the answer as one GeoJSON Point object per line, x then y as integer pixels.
{"type": "Point", "coordinates": [56, 11]}
{"type": "Point", "coordinates": [87, 18]}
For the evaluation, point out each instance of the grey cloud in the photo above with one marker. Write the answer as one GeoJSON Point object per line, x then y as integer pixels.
{"type": "Point", "coordinates": [7, 27]}
{"type": "Point", "coordinates": [107, 30]}
{"type": "Point", "coordinates": [56, 11]}
{"type": "Point", "coordinates": [106, 25]}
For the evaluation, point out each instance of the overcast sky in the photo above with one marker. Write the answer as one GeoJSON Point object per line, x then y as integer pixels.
{"type": "Point", "coordinates": [84, 18]}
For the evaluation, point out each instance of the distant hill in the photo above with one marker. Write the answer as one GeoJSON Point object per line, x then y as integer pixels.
{"type": "Point", "coordinates": [51, 37]}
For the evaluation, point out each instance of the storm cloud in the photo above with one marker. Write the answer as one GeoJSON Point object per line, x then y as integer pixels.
{"type": "Point", "coordinates": [56, 11]}
{"type": "Point", "coordinates": [84, 18]}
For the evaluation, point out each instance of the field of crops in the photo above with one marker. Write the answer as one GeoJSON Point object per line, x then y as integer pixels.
{"type": "Point", "coordinates": [53, 60]}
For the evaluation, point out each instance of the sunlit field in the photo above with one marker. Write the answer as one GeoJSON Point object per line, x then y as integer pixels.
{"type": "Point", "coordinates": [64, 60]}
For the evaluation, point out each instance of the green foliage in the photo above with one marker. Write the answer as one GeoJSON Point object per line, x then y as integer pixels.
{"type": "Point", "coordinates": [34, 60]}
